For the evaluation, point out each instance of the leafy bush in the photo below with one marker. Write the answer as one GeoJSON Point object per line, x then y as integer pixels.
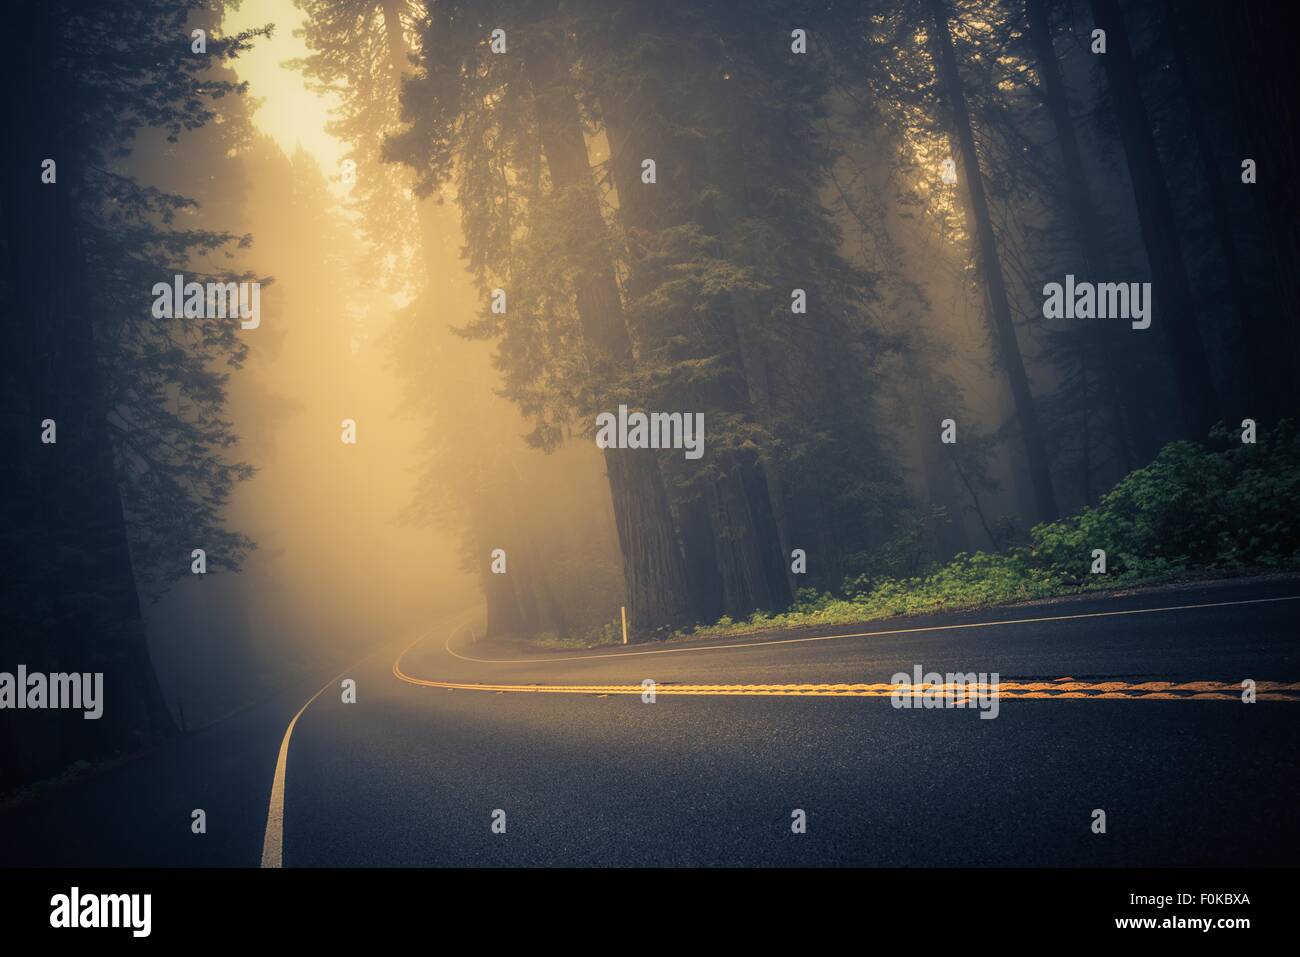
{"type": "Point", "coordinates": [1194, 509]}
{"type": "Point", "coordinates": [1191, 508]}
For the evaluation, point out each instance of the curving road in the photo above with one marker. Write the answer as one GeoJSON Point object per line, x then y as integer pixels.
{"type": "Point", "coordinates": [1149, 727]}
{"type": "Point", "coordinates": [594, 775]}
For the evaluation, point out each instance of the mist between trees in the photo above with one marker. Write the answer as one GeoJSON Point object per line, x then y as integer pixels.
{"type": "Point", "coordinates": [825, 227]}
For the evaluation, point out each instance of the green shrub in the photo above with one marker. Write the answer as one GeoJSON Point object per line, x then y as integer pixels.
{"type": "Point", "coordinates": [1195, 508]}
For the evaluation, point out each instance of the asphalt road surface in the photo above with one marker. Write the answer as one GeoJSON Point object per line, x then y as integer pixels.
{"type": "Point", "coordinates": [1150, 728]}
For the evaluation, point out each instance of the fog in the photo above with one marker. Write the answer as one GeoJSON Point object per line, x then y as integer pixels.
{"type": "Point", "coordinates": [354, 546]}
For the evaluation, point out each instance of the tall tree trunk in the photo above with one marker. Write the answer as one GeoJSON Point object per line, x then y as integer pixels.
{"type": "Point", "coordinates": [721, 172]}
{"type": "Point", "coordinates": [506, 612]}
{"type": "Point", "coordinates": [1084, 220]}
{"type": "Point", "coordinates": [653, 566]}
{"type": "Point", "coordinates": [991, 265]}
{"type": "Point", "coordinates": [504, 616]}
{"type": "Point", "coordinates": [1176, 312]}
{"type": "Point", "coordinates": [936, 473]}
{"type": "Point", "coordinates": [75, 559]}
{"type": "Point", "coordinates": [1262, 103]}
{"type": "Point", "coordinates": [1269, 131]}
{"type": "Point", "coordinates": [745, 551]}
{"type": "Point", "coordinates": [1260, 351]}
{"type": "Point", "coordinates": [704, 583]}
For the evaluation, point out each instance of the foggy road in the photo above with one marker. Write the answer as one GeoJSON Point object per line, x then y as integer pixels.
{"type": "Point", "coordinates": [593, 780]}
{"type": "Point", "coordinates": [392, 385]}
{"type": "Point", "coordinates": [415, 774]}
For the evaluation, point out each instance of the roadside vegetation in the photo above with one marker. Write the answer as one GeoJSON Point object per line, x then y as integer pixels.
{"type": "Point", "coordinates": [1197, 511]}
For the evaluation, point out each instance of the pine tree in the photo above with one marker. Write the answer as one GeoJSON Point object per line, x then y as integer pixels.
{"type": "Point", "coordinates": [97, 516]}
{"type": "Point", "coordinates": [1176, 310]}
{"type": "Point", "coordinates": [990, 264]}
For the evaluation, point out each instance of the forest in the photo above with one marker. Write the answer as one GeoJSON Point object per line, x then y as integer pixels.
{"type": "Point", "coordinates": [963, 293]}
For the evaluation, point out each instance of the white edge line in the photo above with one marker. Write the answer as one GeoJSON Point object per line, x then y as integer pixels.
{"type": "Point", "coordinates": [860, 634]}
{"type": "Point", "coordinates": [273, 840]}
{"type": "Point", "coordinates": [273, 836]}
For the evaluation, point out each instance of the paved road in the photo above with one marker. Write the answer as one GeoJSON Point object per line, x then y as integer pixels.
{"type": "Point", "coordinates": [411, 773]}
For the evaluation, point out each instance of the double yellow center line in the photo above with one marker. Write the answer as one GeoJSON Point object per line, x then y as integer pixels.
{"type": "Point", "coordinates": [1065, 688]}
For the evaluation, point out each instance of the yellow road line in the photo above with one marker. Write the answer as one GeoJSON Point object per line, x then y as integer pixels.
{"type": "Point", "coordinates": [1156, 690]}
{"type": "Point", "coordinates": [1061, 688]}
{"type": "Point", "coordinates": [1066, 688]}
{"type": "Point", "coordinates": [864, 634]}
